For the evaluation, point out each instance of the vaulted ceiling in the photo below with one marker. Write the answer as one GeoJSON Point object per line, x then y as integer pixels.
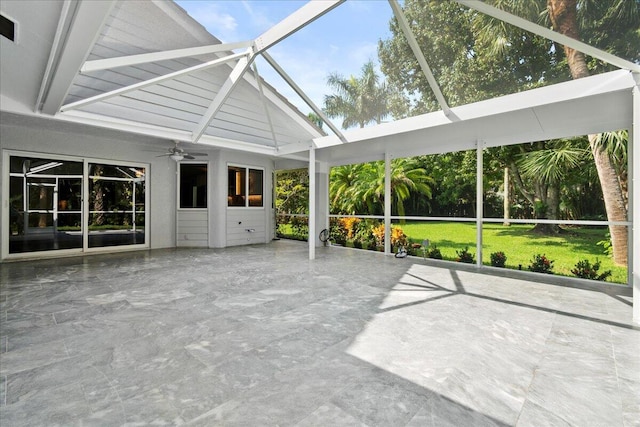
{"type": "Point", "coordinates": [149, 68]}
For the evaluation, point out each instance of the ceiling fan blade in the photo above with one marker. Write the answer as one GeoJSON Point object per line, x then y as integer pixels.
{"type": "Point", "coordinates": [164, 155]}
{"type": "Point", "coordinates": [188, 156]}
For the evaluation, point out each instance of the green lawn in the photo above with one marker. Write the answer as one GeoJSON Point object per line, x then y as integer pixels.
{"type": "Point", "coordinates": [519, 244]}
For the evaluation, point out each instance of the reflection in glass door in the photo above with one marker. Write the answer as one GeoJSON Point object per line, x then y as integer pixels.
{"type": "Point", "coordinates": [47, 212]}
{"type": "Point", "coordinates": [116, 205]}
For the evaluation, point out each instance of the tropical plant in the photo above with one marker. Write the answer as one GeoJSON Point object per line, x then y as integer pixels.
{"type": "Point", "coordinates": [548, 167]}
{"type": "Point", "coordinates": [476, 57]}
{"type": "Point", "coordinates": [358, 100]}
{"type": "Point", "coordinates": [498, 259]}
{"type": "Point", "coordinates": [434, 252]}
{"type": "Point", "coordinates": [564, 17]}
{"type": "Point", "coordinates": [292, 191]}
{"type": "Point", "coordinates": [585, 270]}
{"type": "Point", "coordinates": [465, 256]}
{"type": "Point", "coordinates": [360, 188]}
{"type": "Point", "coordinates": [398, 238]}
{"type": "Point", "coordinates": [541, 264]}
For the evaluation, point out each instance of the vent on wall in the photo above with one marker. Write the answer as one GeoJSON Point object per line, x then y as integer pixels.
{"type": "Point", "coordinates": [7, 28]}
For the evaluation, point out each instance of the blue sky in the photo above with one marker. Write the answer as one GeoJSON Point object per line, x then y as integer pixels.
{"type": "Point", "coordinates": [341, 41]}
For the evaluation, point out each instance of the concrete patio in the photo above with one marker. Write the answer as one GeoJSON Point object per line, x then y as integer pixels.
{"type": "Point", "coordinates": [261, 336]}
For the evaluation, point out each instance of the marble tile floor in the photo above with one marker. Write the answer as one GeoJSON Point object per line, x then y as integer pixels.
{"type": "Point", "coordinates": [261, 336]}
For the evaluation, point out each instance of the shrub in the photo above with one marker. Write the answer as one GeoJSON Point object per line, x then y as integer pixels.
{"type": "Point", "coordinates": [434, 252]}
{"type": "Point", "coordinates": [465, 256]}
{"type": "Point", "coordinates": [585, 270]}
{"type": "Point", "coordinates": [349, 224]}
{"type": "Point", "coordinates": [541, 264]}
{"type": "Point", "coordinates": [398, 238]}
{"type": "Point", "coordinates": [338, 231]}
{"type": "Point", "coordinates": [498, 259]}
{"type": "Point", "coordinates": [363, 234]}
{"type": "Point", "coordinates": [378, 234]}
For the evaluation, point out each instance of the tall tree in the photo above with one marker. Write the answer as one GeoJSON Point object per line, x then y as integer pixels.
{"type": "Point", "coordinates": [358, 100]}
{"type": "Point", "coordinates": [563, 15]}
{"type": "Point", "coordinates": [475, 57]}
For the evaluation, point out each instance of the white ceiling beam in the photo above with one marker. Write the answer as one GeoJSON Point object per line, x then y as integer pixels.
{"type": "Point", "coordinates": [84, 30]}
{"type": "Point", "coordinates": [234, 78]}
{"type": "Point", "coordinates": [155, 80]}
{"type": "Point", "coordinates": [143, 58]}
{"type": "Point", "coordinates": [415, 48]}
{"type": "Point", "coordinates": [292, 23]}
{"type": "Point", "coordinates": [289, 25]}
{"type": "Point", "coordinates": [303, 95]}
{"type": "Point", "coordinates": [53, 53]}
{"type": "Point", "coordinates": [263, 99]}
{"type": "Point", "coordinates": [550, 34]}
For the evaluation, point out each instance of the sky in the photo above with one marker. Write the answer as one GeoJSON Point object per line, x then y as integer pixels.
{"type": "Point", "coordinates": [341, 41]}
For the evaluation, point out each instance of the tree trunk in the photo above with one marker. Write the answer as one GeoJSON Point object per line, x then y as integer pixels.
{"type": "Point", "coordinates": [614, 201]}
{"type": "Point", "coordinates": [562, 14]}
{"type": "Point", "coordinates": [506, 204]}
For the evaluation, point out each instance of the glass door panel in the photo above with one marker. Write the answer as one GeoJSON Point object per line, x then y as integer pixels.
{"type": "Point", "coordinates": [45, 212]}
{"type": "Point", "coordinates": [116, 205]}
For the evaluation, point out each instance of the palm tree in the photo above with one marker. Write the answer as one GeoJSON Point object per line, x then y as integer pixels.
{"type": "Point", "coordinates": [346, 189]}
{"type": "Point", "coordinates": [358, 101]}
{"type": "Point", "coordinates": [564, 19]}
{"type": "Point", "coordinates": [549, 167]}
{"type": "Point", "coordinates": [568, 17]}
{"type": "Point", "coordinates": [315, 119]}
{"type": "Point", "coordinates": [359, 188]}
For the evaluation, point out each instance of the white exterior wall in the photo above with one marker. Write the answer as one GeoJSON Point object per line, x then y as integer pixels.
{"type": "Point", "coordinates": [193, 228]}
{"type": "Point", "coordinates": [218, 226]}
{"type": "Point", "coordinates": [228, 226]}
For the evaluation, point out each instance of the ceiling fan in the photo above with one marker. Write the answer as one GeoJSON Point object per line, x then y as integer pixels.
{"type": "Point", "coordinates": [176, 153]}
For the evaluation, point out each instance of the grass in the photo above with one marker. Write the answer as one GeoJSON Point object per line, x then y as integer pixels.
{"type": "Point", "coordinates": [519, 244]}
{"type": "Point", "coordinates": [517, 241]}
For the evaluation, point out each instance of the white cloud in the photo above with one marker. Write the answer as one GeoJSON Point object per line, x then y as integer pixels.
{"type": "Point", "coordinates": [217, 21]}
{"type": "Point", "coordinates": [258, 19]}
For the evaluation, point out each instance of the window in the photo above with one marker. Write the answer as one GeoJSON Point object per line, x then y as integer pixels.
{"type": "Point", "coordinates": [193, 186]}
{"type": "Point", "coordinates": [240, 187]}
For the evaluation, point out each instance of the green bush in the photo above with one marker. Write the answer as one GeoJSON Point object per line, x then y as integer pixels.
{"type": "Point", "coordinates": [465, 256]}
{"type": "Point", "coordinates": [585, 270]}
{"type": "Point", "coordinates": [498, 259]}
{"type": "Point", "coordinates": [434, 252]}
{"type": "Point", "coordinates": [541, 264]}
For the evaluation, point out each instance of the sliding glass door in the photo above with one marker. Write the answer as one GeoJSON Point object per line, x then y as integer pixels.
{"type": "Point", "coordinates": [116, 205]}
{"type": "Point", "coordinates": [60, 203]}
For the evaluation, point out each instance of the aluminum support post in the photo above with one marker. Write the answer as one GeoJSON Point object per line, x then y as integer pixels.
{"type": "Point", "coordinates": [634, 197]}
{"type": "Point", "coordinates": [312, 203]}
{"type": "Point", "coordinates": [479, 200]}
{"type": "Point", "coordinates": [387, 203]}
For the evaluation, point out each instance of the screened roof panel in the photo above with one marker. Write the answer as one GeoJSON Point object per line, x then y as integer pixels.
{"type": "Point", "coordinates": [224, 102]}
